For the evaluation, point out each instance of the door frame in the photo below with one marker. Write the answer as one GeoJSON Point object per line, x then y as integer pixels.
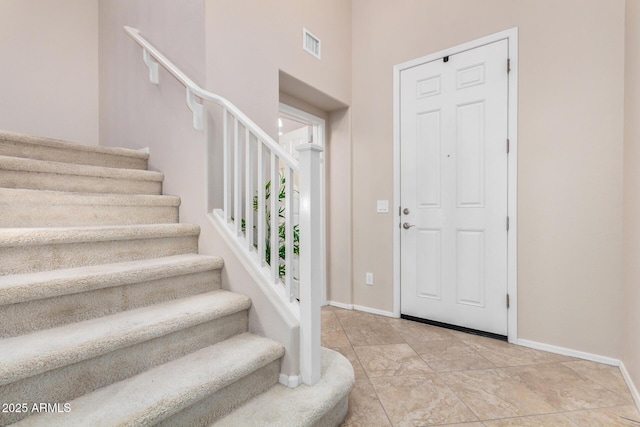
{"type": "Point", "coordinates": [511, 35]}
{"type": "Point", "coordinates": [318, 132]}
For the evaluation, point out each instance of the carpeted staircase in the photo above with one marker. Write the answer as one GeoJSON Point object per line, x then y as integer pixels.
{"type": "Point", "coordinates": [108, 314]}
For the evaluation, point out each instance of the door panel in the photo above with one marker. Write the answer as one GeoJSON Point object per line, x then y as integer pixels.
{"type": "Point", "coordinates": [470, 267]}
{"type": "Point", "coordinates": [428, 155]}
{"type": "Point", "coordinates": [428, 248]}
{"type": "Point", "coordinates": [470, 149]}
{"type": "Point", "coordinates": [453, 130]}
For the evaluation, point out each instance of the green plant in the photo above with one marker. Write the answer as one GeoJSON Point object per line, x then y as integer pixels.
{"type": "Point", "coordinates": [282, 249]}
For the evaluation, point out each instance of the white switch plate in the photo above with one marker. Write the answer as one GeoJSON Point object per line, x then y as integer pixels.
{"type": "Point", "coordinates": [369, 278]}
{"type": "Point", "coordinates": [383, 206]}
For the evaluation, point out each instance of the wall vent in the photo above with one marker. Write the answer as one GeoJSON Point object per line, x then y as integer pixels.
{"type": "Point", "coordinates": [310, 43]}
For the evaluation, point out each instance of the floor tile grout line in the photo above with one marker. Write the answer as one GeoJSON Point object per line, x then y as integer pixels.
{"type": "Point", "coordinates": [598, 382]}
{"type": "Point", "coordinates": [459, 398]}
{"type": "Point", "coordinates": [364, 371]}
{"type": "Point", "coordinates": [542, 414]}
{"type": "Point", "coordinates": [438, 376]}
{"type": "Point", "coordinates": [571, 411]}
{"type": "Point", "coordinates": [372, 386]}
{"type": "Point", "coordinates": [582, 377]}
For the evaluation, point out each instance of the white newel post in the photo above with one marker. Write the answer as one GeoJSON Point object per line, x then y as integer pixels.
{"type": "Point", "coordinates": [311, 255]}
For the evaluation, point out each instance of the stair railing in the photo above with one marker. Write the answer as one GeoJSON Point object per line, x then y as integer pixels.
{"type": "Point", "coordinates": [259, 202]}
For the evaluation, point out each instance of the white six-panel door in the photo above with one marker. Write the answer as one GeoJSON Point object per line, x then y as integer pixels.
{"type": "Point", "coordinates": [453, 142]}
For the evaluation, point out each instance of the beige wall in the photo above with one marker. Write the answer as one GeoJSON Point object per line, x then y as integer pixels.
{"type": "Point", "coordinates": [569, 153]}
{"type": "Point", "coordinates": [49, 71]}
{"type": "Point", "coordinates": [135, 113]}
{"type": "Point", "coordinates": [339, 208]}
{"type": "Point", "coordinates": [631, 355]}
{"type": "Point", "coordinates": [246, 52]}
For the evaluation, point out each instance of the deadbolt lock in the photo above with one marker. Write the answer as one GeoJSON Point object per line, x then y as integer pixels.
{"type": "Point", "coordinates": [405, 211]}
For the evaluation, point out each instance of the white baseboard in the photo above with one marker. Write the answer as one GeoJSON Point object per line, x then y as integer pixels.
{"type": "Point", "coordinates": [291, 381]}
{"type": "Point", "coordinates": [630, 384]}
{"type": "Point", "coordinates": [373, 311]}
{"type": "Point", "coordinates": [569, 352]}
{"type": "Point", "coordinates": [361, 308]}
{"type": "Point", "coordinates": [340, 305]}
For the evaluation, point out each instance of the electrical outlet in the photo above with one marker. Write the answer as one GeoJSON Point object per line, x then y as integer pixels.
{"type": "Point", "coordinates": [369, 279]}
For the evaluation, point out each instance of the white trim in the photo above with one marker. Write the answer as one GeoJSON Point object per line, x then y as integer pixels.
{"type": "Point", "coordinates": [362, 308]}
{"type": "Point", "coordinates": [569, 352]}
{"type": "Point", "coordinates": [632, 387]}
{"type": "Point", "coordinates": [512, 256]}
{"type": "Point", "coordinates": [291, 381]}
{"type": "Point", "coordinates": [340, 305]}
{"type": "Point", "coordinates": [512, 242]}
{"type": "Point", "coordinates": [319, 132]}
{"type": "Point", "coordinates": [374, 311]}
{"type": "Point", "coordinates": [396, 189]}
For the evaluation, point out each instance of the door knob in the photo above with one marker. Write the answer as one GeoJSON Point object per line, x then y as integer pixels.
{"type": "Point", "coordinates": [407, 226]}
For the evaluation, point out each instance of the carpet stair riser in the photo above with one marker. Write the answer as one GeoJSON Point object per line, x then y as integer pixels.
{"type": "Point", "coordinates": [36, 208]}
{"type": "Point", "coordinates": [30, 316]}
{"type": "Point", "coordinates": [215, 406]}
{"type": "Point", "coordinates": [53, 181]}
{"type": "Point", "coordinates": [323, 404]}
{"type": "Point", "coordinates": [25, 146]}
{"type": "Point", "coordinates": [51, 256]}
{"type": "Point", "coordinates": [88, 215]}
{"type": "Point", "coordinates": [68, 382]}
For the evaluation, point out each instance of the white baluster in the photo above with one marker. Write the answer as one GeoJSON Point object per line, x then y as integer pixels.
{"type": "Point", "coordinates": [288, 230]}
{"type": "Point", "coordinates": [237, 186]}
{"type": "Point", "coordinates": [226, 154]}
{"type": "Point", "coordinates": [262, 220]}
{"type": "Point", "coordinates": [275, 206]}
{"type": "Point", "coordinates": [311, 255]}
{"type": "Point", "coordinates": [248, 196]}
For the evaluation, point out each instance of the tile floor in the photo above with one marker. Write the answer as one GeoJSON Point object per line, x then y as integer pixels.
{"type": "Point", "coordinates": [411, 374]}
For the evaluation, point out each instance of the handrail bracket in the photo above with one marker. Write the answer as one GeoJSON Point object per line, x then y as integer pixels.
{"type": "Point", "coordinates": [196, 108]}
{"type": "Point", "coordinates": [152, 65]}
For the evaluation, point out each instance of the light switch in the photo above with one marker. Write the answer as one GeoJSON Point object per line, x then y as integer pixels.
{"type": "Point", "coordinates": [368, 277]}
{"type": "Point", "coordinates": [383, 206]}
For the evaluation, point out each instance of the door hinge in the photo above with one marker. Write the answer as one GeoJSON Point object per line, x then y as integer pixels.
{"type": "Point", "coordinates": [508, 145]}
{"type": "Point", "coordinates": [507, 223]}
{"type": "Point", "coordinates": [508, 65]}
{"type": "Point", "coordinates": [508, 302]}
